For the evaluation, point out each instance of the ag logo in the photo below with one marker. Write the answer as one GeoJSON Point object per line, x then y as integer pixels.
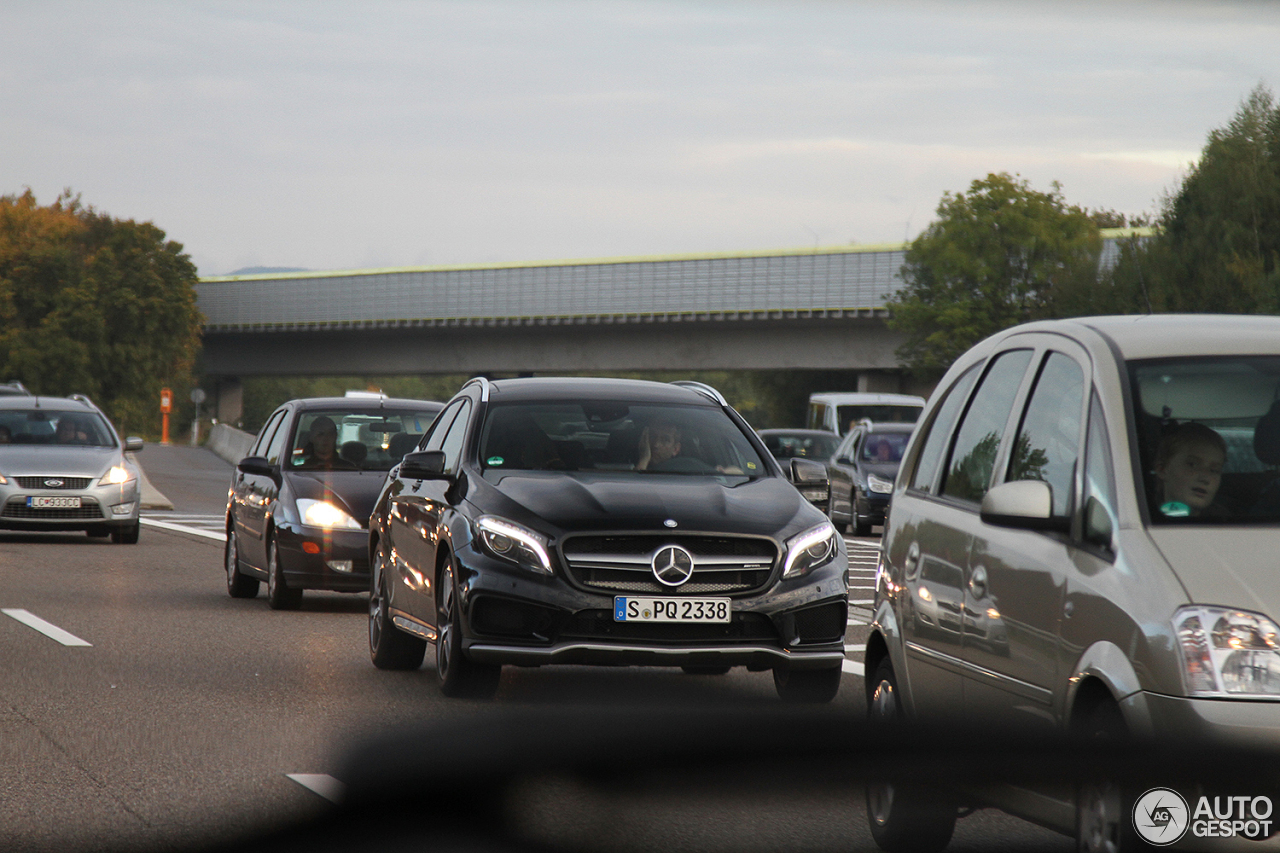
{"type": "Point", "coordinates": [1161, 816]}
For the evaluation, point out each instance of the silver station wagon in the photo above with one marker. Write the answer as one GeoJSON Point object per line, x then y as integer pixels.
{"type": "Point", "coordinates": [1084, 538]}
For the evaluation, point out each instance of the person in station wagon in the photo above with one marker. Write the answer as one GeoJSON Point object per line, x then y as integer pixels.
{"type": "Point", "coordinates": [1188, 471]}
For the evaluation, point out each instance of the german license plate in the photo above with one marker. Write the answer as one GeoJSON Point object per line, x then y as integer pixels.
{"type": "Point", "coordinates": [628, 608]}
{"type": "Point", "coordinates": [41, 502]}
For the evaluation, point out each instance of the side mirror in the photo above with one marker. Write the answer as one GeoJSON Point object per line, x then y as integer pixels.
{"type": "Point", "coordinates": [256, 465]}
{"type": "Point", "coordinates": [810, 478]}
{"type": "Point", "coordinates": [423, 465]}
{"type": "Point", "coordinates": [132, 444]}
{"type": "Point", "coordinates": [1023, 504]}
{"type": "Point", "coordinates": [844, 460]}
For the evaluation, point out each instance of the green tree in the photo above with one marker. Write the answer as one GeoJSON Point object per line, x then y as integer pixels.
{"type": "Point", "coordinates": [95, 305]}
{"type": "Point", "coordinates": [996, 256]}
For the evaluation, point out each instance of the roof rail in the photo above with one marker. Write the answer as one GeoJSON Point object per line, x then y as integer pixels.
{"type": "Point", "coordinates": [81, 398]}
{"type": "Point", "coordinates": [14, 387]}
{"type": "Point", "coordinates": [484, 387]}
{"type": "Point", "coordinates": [702, 388]}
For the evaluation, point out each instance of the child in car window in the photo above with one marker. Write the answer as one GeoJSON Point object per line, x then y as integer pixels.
{"type": "Point", "coordinates": [1188, 471]}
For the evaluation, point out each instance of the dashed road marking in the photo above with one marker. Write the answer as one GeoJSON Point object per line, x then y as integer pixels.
{"type": "Point", "coordinates": [320, 783]}
{"type": "Point", "coordinates": [183, 528]}
{"type": "Point", "coordinates": [854, 667]}
{"type": "Point", "coordinates": [50, 630]}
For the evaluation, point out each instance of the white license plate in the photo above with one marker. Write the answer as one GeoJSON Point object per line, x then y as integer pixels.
{"type": "Point", "coordinates": [53, 503]}
{"type": "Point", "coordinates": [628, 608]}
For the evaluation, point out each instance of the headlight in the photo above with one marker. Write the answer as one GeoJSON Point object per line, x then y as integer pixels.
{"type": "Point", "coordinates": [1228, 653]}
{"type": "Point", "coordinates": [3, 481]}
{"type": "Point", "coordinates": [117, 475]}
{"type": "Point", "coordinates": [512, 542]}
{"type": "Point", "coordinates": [809, 550]}
{"type": "Point", "coordinates": [326, 515]}
{"type": "Point", "coordinates": [879, 485]}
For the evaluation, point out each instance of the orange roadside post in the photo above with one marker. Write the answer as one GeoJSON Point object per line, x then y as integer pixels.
{"type": "Point", "coordinates": [166, 406]}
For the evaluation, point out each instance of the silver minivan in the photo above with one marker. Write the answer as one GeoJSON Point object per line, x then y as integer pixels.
{"type": "Point", "coordinates": [1084, 538]}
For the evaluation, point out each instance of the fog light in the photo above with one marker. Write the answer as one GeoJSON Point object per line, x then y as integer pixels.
{"type": "Point", "coordinates": [122, 509]}
{"type": "Point", "coordinates": [339, 565]}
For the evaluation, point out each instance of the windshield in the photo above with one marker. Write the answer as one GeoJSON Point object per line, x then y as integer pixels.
{"type": "Point", "coordinates": [356, 440]}
{"type": "Point", "coordinates": [608, 436]}
{"type": "Point", "coordinates": [850, 416]}
{"type": "Point", "coordinates": [1209, 438]}
{"type": "Point", "coordinates": [884, 447]}
{"type": "Point", "coordinates": [784, 446]}
{"type": "Point", "coordinates": [41, 426]}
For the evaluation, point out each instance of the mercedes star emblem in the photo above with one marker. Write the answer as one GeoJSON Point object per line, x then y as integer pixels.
{"type": "Point", "coordinates": [672, 565]}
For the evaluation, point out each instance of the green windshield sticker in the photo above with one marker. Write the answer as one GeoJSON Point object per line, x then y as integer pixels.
{"type": "Point", "coordinates": [1175, 509]}
{"type": "Point", "coordinates": [494, 460]}
{"type": "Point", "coordinates": [751, 465]}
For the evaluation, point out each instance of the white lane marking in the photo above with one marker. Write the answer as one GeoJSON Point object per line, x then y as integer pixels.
{"type": "Point", "coordinates": [854, 667]}
{"type": "Point", "coordinates": [862, 601]}
{"type": "Point", "coordinates": [182, 528]}
{"type": "Point", "coordinates": [854, 620]}
{"type": "Point", "coordinates": [50, 630]}
{"type": "Point", "coordinates": [320, 783]}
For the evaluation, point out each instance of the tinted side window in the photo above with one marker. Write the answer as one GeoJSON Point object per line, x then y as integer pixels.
{"type": "Point", "coordinates": [435, 438]}
{"type": "Point", "coordinates": [1048, 444]}
{"type": "Point", "coordinates": [264, 437]}
{"type": "Point", "coordinates": [1099, 482]}
{"type": "Point", "coordinates": [452, 445]}
{"type": "Point", "coordinates": [277, 442]}
{"type": "Point", "coordinates": [936, 443]}
{"type": "Point", "coordinates": [973, 456]}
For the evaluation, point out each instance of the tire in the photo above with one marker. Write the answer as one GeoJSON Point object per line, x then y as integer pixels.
{"type": "Point", "coordinates": [1103, 809]}
{"type": "Point", "coordinates": [705, 670]}
{"type": "Point", "coordinates": [902, 818]}
{"type": "Point", "coordinates": [389, 647]}
{"type": "Point", "coordinates": [239, 585]}
{"type": "Point", "coordinates": [126, 535]}
{"type": "Point", "coordinates": [279, 596]}
{"type": "Point", "coordinates": [459, 677]}
{"type": "Point", "coordinates": [808, 686]}
{"type": "Point", "coordinates": [842, 527]}
{"type": "Point", "coordinates": [860, 527]}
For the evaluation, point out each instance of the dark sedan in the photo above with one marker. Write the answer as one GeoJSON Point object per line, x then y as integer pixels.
{"type": "Point", "coordinates": [299, 503]}
{"type": "Point", "coordinates": [862, 473]}
{"type": "Point", "coordinates": [602, 521]}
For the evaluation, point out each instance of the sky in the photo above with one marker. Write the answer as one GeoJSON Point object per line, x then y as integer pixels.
{"type": "Point", "coordinates": [352, 135]}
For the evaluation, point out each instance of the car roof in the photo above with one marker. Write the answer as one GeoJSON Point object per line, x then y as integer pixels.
{"type": "Point", "coordinates": [890, 426]}
{"type": "Point", "coordinates": [1173, 335]}
{"type": "Point", "coordinates": [594, 388]}
{"type": "Point", "coordinates": [825, 433]}
{"type": "Point", "coordinates": [50, 404]}
{"type": "Point", "coordinates": [363, 404]}
{"type": "Point", "coordinates": [846, 397]}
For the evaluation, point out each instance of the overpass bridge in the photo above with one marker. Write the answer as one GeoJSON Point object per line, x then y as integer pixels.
{"type": "Point", "coordinates": [821, 308]}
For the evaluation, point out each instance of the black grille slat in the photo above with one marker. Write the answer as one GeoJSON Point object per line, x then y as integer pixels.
{"type": "Point", "coordinates": [67, 482]}
{"type": "Point", "coordinates": [722, 564]}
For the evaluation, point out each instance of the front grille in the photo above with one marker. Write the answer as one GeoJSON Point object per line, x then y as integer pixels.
{"type": "Point", "coordinates": [88, 510]}
{"type": "Point", "coordinates": [599, 625]}
{"type": "Point", "coordinates": [721, 564]}
{"type": "Point", "coordinates": [40, 482]}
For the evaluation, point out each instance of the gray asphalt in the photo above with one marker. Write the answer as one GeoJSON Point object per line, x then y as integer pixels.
{"type": "Point", "coordinates": [181, 721]}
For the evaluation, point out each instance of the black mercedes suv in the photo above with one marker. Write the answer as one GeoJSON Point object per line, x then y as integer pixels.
{"type": "Point", "coordinates": [602, 521]}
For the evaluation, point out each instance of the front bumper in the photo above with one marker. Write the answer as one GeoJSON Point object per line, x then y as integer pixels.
{"type": "Point", "coordinates": [514, 616]}
{"type": "Point", "coordinates": [872, 506]}
{"type": "Point", "coordinates": [315, 558]}
{"type": "Point", "coordinates": [100, 507]}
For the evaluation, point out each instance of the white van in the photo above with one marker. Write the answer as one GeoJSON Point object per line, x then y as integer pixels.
{"type": "Point", "coordinates": [837, 412]}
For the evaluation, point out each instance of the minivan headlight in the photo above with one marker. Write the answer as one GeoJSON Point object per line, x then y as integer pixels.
{"type": "Point", "coordinates": [879, 485]}
{"type": "Point", "coordinates": [327, 515]}
{"type": "Point", "coordinates": [509, 541]}
{"type": "Point", "coordinates": [1228, 653]}
{"type": "Point", "coordinates": [813, 548]}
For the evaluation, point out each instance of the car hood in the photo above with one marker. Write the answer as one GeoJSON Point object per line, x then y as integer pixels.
{"type": "Point", "coordinates": [768, 506]}
{"type": "Point", "coordinates": [1228, 566]}
{"type": "Point", "coordinates": [26, 460]}
{"type": "Point", "coordinates": [354, 491]}
{"type": "Point", "coordinates": [884, 470]}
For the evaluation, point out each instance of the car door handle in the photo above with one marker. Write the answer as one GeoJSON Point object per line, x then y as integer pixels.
{"type": "Point", "coordinates": [978, 582]}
